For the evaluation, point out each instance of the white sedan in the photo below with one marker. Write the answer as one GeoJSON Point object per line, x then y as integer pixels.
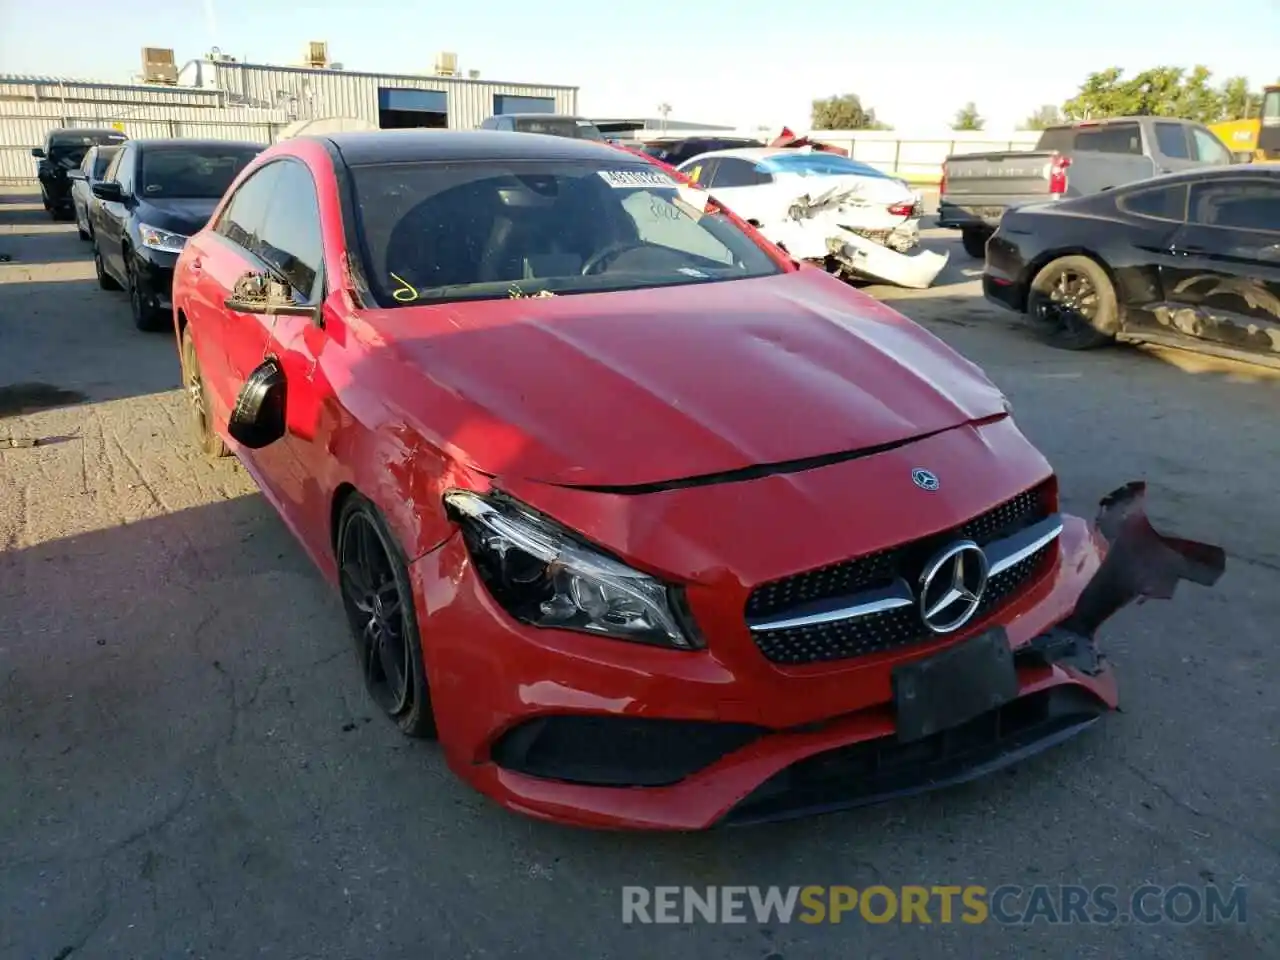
{"type": "Point", "coordinates": [765, 185]}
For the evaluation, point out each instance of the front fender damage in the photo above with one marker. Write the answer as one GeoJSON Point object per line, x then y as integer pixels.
{"type": "Point", "coordinates": [1140, 563]}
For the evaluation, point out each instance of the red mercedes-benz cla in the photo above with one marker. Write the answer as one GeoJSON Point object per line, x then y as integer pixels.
{"type": "Point", "coordinates": [653, 526]}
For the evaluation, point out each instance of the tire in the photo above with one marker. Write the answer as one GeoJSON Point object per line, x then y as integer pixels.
{"type": "Point", "coordinates": [1072, 304]}
{"type": "Point", "coordinates": [975, 243]}
{"type": "Point", "coordinates": [84, 234]}
{"type": "Point", "coordinates": [105, 280]}
{"type": "Point", "coordinates": [145, 318]}
{"type": "Point", "coordinates": [405, 699]}
{"type": "Point", "coordinates": [202, 432]}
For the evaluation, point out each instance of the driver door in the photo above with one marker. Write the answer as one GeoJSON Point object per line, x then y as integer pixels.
{"type": "Point", "coordinates": [288, 244]}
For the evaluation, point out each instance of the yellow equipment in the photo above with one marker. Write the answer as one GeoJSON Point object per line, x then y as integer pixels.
{"type": "Point", "coordinates": [1257, 138]}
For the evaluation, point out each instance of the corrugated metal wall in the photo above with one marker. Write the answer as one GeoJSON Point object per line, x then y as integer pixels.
{"type": "Point", "coordinates": [329, 93]}
{"type": "Point", "coordinates": [253, 103]}
{"type": "Point", "coordinates": [24, 125]}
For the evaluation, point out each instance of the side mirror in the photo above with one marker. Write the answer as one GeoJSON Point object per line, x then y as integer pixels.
{"type": "Point", "coordinates": [261, 293]}
{"type": "Point", "coordinates": [37, 153]}
{"type": "Point", "coordinates": [258, 418]}
{"type": "Point", "coordinates": [108, 190]}
{"type": "Point", "coordinates": [75, 175]}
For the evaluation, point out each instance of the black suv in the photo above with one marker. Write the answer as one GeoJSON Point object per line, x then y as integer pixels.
{"type": "Point", "coordinates": [64, 148]}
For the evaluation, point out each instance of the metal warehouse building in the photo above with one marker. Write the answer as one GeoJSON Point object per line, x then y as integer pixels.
{"type": "Point", "coordinates": [226, 99]}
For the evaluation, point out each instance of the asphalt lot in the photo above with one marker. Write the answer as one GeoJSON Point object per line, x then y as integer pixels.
{"type": "Point", "coordinates": [190, 767]}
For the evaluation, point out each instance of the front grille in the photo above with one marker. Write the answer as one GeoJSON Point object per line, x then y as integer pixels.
{"type": "Point", "coordinates": [899, 627]}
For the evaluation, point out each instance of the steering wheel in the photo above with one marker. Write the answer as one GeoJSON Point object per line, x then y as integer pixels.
{"type": "Point", "coordinates": [609, 252]}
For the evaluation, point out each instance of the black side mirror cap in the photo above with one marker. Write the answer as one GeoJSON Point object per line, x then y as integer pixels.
{"type": "Point", "coordinates": [108, 190]}
{"type": "Point", "coordinates": [258, 418]}
{"type": "Point", "coordinates": [37, 153]}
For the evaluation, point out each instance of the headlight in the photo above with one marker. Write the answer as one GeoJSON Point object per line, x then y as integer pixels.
{"type": "Point", "coordinates": [545, 577]}
{"type": "Point", "coordinates": [163, 240]}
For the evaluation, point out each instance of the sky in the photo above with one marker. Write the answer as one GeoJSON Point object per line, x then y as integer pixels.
{"type": "Point", "coordinates": [743, 63]}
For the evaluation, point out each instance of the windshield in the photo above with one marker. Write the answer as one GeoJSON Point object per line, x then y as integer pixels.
{"type": "Point", "coordinates": [433, 232]}
{"type": "Point", "coordinates": [102, 160]}
{"type": "Point", "coordinates": [1271, 107]}
{"type": "Point", "coordinates": [194, 173]}
{"type": "Point", "coordinates": [818, 165]}
{"type": "Point", "coordinates": [559, 127]}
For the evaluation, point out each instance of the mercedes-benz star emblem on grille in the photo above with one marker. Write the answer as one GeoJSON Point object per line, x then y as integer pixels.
{"type": "Point", "coordinates": [924, 479]}
{"type": "Point", "coordinates": [951, 586]}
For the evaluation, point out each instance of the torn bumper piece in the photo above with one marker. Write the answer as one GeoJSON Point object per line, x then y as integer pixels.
{"type": "Point", "coordinates": [866, 258]}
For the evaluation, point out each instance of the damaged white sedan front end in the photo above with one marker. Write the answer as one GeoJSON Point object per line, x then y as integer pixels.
{"type": "Point", "coordinates": [839, 230]}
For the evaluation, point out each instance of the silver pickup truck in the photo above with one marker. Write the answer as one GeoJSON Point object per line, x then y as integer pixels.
{"type": "Point", "coordinates": [1069, 161]}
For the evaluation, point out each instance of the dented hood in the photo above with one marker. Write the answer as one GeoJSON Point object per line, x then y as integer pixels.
{"type": "Point", "coordinates": [622, 389]}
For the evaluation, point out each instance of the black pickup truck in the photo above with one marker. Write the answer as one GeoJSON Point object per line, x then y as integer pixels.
{"type": "Point", "coordinates": [1071, 160]}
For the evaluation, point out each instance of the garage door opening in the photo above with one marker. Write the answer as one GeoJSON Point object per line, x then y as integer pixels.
{"type": "Point", "coordinates": [400, 108]}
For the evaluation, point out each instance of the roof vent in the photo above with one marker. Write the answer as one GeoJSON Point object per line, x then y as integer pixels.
{"type": "Point", "coordinates": [446, 64]}
{"type": "Point", "coordinates": [473, 74]}
{"type": "Point", "coordinates": [317, 54]}
{"type": "Point", "coordinates": [158, 66]}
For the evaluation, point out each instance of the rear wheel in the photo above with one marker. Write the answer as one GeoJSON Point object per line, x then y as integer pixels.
{"type": "Point", "coordinates": [105, 280]}
{"type": "Point", "coordinates": [202, 430]}
{"type": "Point", "coordinates": [975, 242]}
{"type": "Point", "coordinates": [1073, 304]}
{"type": "Point", "coordinates": [378, 600]}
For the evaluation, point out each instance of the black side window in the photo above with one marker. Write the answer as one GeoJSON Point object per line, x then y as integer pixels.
{"type": "Point", "coordinates": [1110, 138]}
{"type": "Point", "coordinates": [124, 170]}
{"type": "Point", "coordinates": [1171, 138]}
{"type": "Point", "coordinates": [734, 172]}
{"type": "Point", "coordinates": [242, 218]}
{"type": "Point", "coordinates": [291, 240]}
{"type": "Point", "coordinates": [1162, 203]}
{"type": "Point", "coordinates": [1238, 203]}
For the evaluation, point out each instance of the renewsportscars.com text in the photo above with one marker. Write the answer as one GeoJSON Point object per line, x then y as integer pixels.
{"type": "Point", "coordinates": [972, 904]}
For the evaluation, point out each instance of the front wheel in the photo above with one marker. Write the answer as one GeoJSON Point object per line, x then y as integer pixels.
{"type": "Point", "coordinates": [145, 317]}
{"type": "Point", "coordinates": [378, 600]}
{"type": "Point", "coordinates": [206, 437]}
{"type": "Point", "coordinates": [1073, 304]}
{"type": "Point", "coordinates": [975, 243]}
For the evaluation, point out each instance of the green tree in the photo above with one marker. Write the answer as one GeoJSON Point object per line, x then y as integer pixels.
{"type": "Point", "coordinates": [1238, 101]}
{"type": "Point", "coordinates": [967, 118]}
{"type": "Point", "coordinates": [1162, 92]}
{"type": "Point", "coordinates": [1047, 116]}
{"type": "Point", "coordinates": [844, 113]}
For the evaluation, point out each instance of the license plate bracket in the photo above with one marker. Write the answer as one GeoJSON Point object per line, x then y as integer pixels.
{"type": "Point", "coordinates": [954, 686]}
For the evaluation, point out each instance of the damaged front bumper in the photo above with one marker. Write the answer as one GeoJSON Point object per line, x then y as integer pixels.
{"type": "Point", "coordinates": [643, 739]}
{"type": "Point", "coordinates": [1045, 692]}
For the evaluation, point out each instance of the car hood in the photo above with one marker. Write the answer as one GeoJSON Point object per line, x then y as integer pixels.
{"type": "Point", "coordinates": [177, 215]}
{"type": "Point", "coordinates": [650, 386]}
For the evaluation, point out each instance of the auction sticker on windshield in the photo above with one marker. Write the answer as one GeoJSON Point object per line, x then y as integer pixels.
{"type": "Point", "coordinates": [628, 179]}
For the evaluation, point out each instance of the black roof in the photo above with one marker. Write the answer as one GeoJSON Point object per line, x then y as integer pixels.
{"type": "Point", "coordinates": [79, 133]}
{"type": "Point", "coordinates": [401, 146]}
{"type": "Point", "coordinates": [195, 144]}
{"type": "Point", "coordinates": [1211, 173]}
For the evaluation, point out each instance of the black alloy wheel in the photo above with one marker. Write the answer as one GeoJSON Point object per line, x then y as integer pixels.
{"type": "Point", "coordinates": [378, 600]}
{"type": "Point", "coordinates": [1073, 304]}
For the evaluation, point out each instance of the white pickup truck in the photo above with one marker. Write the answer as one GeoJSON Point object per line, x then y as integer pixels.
{"type": "Point", "coordinates": [1069, 161]}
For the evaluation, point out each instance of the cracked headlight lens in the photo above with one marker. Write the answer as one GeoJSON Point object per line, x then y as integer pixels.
{"type": "Point", "coordinates": [544, 576]}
